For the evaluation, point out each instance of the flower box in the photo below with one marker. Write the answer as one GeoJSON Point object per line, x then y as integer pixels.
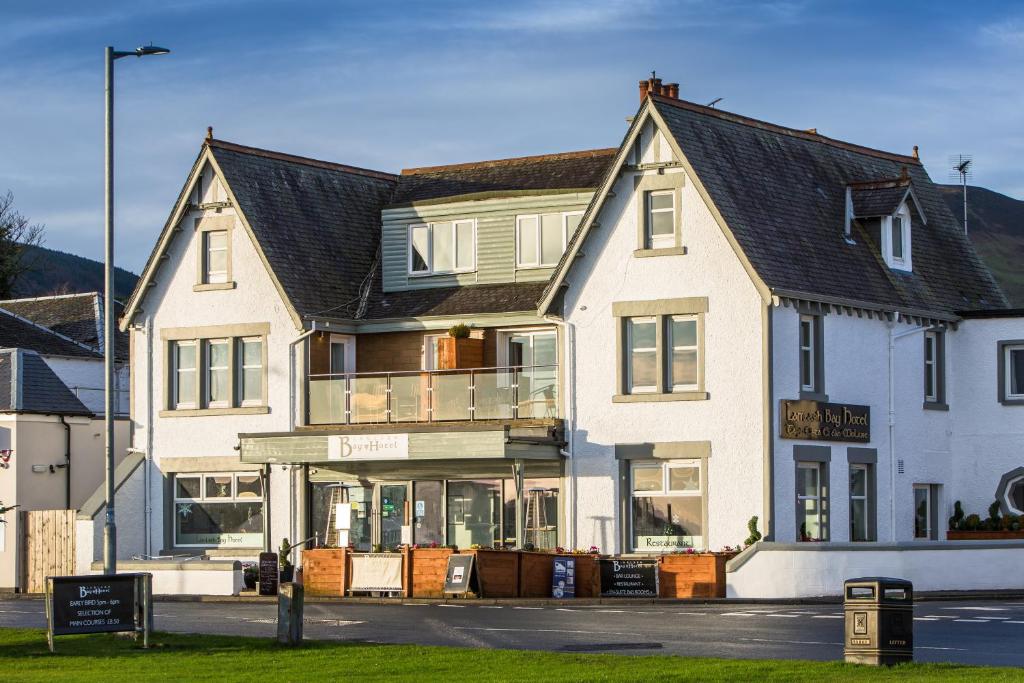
{"type": "Point", "coordinates": [325, 571]}
{"type": "Point", "coordinates": [984, 535]}
{"type": "Point", "coordinates": [535, 574]}
{"type": "Point", "coordinates": [696, 575]}
{"type": "Point", "coordinates": [497, 572]}
{"type": "Point", "coordinates": [429, 568]}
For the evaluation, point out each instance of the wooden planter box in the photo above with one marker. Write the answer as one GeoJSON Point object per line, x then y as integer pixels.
{"type": "Point", "coordinates": [459, 354]}
{"type": "Point", "coordinates": [984, 535]}
{"type": "Point", "coordinates": [498, 572]}
{"type": "Point", "coordinates": [700, 575]}
{"type": "Point", "coordinates": [325, 571]}
{"type": "Point", "coordinates": [588, 576]}
{"type": "Point", "coordinates": [429, 567]}
{"type": "Point", "coordinates": [535, 572]}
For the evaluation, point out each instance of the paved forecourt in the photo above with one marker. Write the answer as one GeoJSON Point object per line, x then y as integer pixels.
{"type": "Point", "coordinates": [969, 632]}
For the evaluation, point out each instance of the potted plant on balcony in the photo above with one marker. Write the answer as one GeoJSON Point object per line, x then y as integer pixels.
{"type": "Point", "coordinates": [459, 350]}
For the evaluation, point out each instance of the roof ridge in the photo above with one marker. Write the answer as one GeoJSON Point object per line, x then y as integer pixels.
{"type": "Point", "coordinates": [785, 130]}
{"type": "Point", "coordinates": [44, 328]}
{"type": "Point", "coordinates": [604, 151]}
{"type": "Point", "coordinates": [883, 184]}
{"type": "Point", "coordinates": [294, 158]}
{"type": "Point", "coordinates": [47, 297]}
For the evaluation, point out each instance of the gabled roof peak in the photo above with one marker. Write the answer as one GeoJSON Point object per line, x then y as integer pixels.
{"type": "Point", "coordinates": [810, 134]}
{"type": "Point", "coordinates": [281, 156]}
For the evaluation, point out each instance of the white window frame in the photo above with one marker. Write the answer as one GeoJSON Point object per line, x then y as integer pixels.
{"type": "Point", "coordinates": [810, 352]}
{"type": "Point", "coordinates": [673, 347]}
{"type": "Point", "coordinates": [927, 488]}
{"type": "Point", "coordinates": [234, 498]}
{"type": "Point", "coordinates": [1008, 350]}
{"type": "Point", "coordinates": [866, 497]}
{"type": "Point", "coordinates": [666, 491]}
{"type": "Point", "coordinates": [211, 276]}
{"type": "Point", "coordinates": [176, 371]}
{"type": "Point", "coordinates": [661, 241]}
{"type": "Point", "coordinates": [242, 367]}
{"type": "Point", "coordinates": [818, 496]}
{"type": "Point", "coordinates": [208, 370]}
{"type": "Point", "coordinates": [430, 248]}
{"type": "Point", "coordinates": [642, 389]}
{"type": "Point", "coordinates": [931, 365]}
{"type": "Point", "coordinates": [538, 219]}
{"type": "Point", "coordinates": [904, 261]}
{"type": "Point", "coordinates": [430, 360]}
{"type": "Point", "coordinates": [504, 335]}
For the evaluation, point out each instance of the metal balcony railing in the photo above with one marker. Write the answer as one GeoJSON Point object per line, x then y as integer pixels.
{"type": "Point", "coordinates": [503, 393]}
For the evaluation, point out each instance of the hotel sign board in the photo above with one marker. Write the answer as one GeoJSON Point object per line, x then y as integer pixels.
{"type": "Point", "coordinates": [99, 603]}
{"type": "Point", "coordinates": [820, 421]}
{"type": "Point", "coordinates": [368, 447]}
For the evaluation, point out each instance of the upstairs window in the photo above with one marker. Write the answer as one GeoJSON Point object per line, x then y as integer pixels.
{"type": "Point", "coordinates": [660, 228]}
{"type": "Point", "coordinates": [215, 249]}
{"type": "Point", "coordinates": [218, 372]}
{"type": "Point", "coordinates": [438, 248]}
{"type": "Point", "coordinates": [541, 239]}
{"type": "Point", "coordinates": [896, 238]}
{"type": "Point", "coordinates": [1011, 372]}
{"type": "Point", "coordinates": [811, 356]}
{"type": "Point", "coordinates": [642, 364]}
{"type": "Point", "coordinates": [183, 357]}
{"type": "Point", "coordinates": [251, 371]}
{"type": "Point", "coordinates": [934, 369]}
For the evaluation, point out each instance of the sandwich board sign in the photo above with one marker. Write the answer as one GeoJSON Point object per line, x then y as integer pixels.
{"type": "Point", "coordinates": [269, 567]}
{"type": "Point", "coordinates": [459, 577]}
{"type": "Point", "coordinates": [101, 603]}
{"type": "Point", "coordinates": [563, 578]}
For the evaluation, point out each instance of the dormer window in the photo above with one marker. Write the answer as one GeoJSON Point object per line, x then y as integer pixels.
{"type": "Point", "coordinates": [883, 210]}
{"type": "Point", "coordinates": [896, 234]}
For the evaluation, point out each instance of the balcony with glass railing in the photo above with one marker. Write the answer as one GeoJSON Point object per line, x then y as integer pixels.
{"type": "Point", "coordinates": [501, 393]}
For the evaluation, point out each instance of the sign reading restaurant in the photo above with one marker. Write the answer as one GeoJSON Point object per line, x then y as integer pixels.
{"type": "Point", "coordinates": [818, 421]}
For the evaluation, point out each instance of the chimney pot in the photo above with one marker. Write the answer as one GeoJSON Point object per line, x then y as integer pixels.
{"type": "Point", "coordinates": [673, 91]}
{"type": "Point", "coordinates": [916, 153]}
{"type": "Point", "coordinates": [209, 132]}
{"type": "Point", "coordinates": [644, 88]}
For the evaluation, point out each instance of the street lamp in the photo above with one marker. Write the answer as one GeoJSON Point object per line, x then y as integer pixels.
{"type": "Point", "coordinates": [110, 528]}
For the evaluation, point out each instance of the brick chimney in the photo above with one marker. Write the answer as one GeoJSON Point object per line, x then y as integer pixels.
{"type": "Point", "coordinates": [654, 86]}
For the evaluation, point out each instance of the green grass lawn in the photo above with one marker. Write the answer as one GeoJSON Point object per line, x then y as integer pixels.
{"type": "Point", "coordinates": [24, 657]}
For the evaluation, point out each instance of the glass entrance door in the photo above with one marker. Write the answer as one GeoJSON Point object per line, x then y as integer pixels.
{"type": "Point", "coordinates": [391, 514]}
{"type": "Point", "coordinates": [427, 513]}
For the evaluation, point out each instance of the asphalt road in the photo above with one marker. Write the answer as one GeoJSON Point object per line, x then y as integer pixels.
{"type": "Point", "coordinates": [978, 632]}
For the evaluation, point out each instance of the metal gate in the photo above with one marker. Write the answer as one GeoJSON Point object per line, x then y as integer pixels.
{"type": "Point", "coordinates": [49, 546]}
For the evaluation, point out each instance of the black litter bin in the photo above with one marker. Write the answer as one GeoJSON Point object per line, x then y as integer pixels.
{"type": "Point", "coordinates": [879, 621]}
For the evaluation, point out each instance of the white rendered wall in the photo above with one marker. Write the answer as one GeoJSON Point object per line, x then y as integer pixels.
{"type": "Point", "coordinates": [84, 377]}
{"type": "Point", "coordinates": [803, 570]}
{"type": "Point", "coordinates": [732, 419]}
{"type": "Point", "coordinates": [173, 303]}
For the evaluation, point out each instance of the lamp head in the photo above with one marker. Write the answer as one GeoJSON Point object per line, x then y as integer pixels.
{"type": "Point", "coordinates": [150, 49]}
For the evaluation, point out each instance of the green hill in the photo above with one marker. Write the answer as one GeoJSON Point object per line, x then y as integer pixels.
{"type": "Point", "coordinates": [56, 272]}
{"type": "Point", "coordinates": [995, 224]}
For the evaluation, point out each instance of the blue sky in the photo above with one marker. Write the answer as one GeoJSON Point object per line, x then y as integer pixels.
{"type": "Point", "coordinates": [388, 85]}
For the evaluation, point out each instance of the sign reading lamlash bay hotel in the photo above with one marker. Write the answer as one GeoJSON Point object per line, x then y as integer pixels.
{"type": "Point", "coordinates": [637, 348]}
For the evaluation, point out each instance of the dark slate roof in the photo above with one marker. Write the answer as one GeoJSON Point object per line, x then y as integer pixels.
{"type": "Point", "coordinates": [317, 222]}
{"type": "Point", "coordinates": [782, 193]}
{"type": "Point", "coordinates": [878, 199]}
{"type": "Point", "coordinates": [465, 300]}
{"type": "Point", "coordinates": [41, 389]}
{"type": "Point", "coordinates": [72, 315]}
{"type": "Point", "coordinates": [16, 332]}
{"type": "Point", "coordinates": [565, 171]}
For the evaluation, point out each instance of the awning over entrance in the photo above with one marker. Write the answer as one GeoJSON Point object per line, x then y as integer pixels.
{"type": "Point", "coordinates": [418, 451]}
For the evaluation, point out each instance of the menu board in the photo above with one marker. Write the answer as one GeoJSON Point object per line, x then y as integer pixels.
{"type": "Point", "coordinates": [563, 578]}
{"type": "Point", "coordinates": [268, 574]}
{"type": "Point", "coordinates": [459, 577]}
{"type": "Point", "coordinates": [93, 604]}
{"type": "Point", "coordinates": [629, 578]}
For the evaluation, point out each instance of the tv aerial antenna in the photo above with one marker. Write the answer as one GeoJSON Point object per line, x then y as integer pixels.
{"type": "Point", "coordinates": [962, 169]}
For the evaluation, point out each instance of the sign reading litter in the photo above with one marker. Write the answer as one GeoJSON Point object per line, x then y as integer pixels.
{"type": "Point", "coordinates": [629, 578]}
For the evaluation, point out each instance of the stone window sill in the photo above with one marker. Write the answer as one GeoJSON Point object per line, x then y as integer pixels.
{"type": "Point", "coordinates": [656, 398]}
{"type": "Point", "coordinates": [664, 251]}
{"type": "Point", "coordinates": [1012, 401]}
{"type": "Point", "coordinates": [813, 396]}
{"type": "Point", "coordinates": [212, 286]}
{"type": "Point", "coordinates": [935, 405]}
{"type": "Point", "coordinates": [202, 412]}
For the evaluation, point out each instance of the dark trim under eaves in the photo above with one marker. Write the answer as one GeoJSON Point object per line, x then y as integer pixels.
{"type": "Point", "coordinates": [993, 313]}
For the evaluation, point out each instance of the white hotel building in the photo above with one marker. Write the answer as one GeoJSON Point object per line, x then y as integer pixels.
{"type": "Point", "coordinates": [656, 330]}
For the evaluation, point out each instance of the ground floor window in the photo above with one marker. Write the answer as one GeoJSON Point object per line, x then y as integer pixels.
{"type": "Point", "coordinates": [666, 506]}
{"type": "Point", "coordinates": [924, 511]}
{"type": "Point", "coordinates": [860, 500]}
{"type": "Point", "coordinates": [812, 501]}
{"type": "Point", "coordinates": [219, 509]}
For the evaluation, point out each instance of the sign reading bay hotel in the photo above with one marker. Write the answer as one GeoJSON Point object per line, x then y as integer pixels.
{"type": "Point", "coordinates": [818, 421]}
{"type": "Point", "coordinates": [368, 447]}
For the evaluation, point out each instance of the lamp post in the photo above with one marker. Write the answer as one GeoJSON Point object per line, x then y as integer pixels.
{"type": "Point", "coordinates": [109, 387]}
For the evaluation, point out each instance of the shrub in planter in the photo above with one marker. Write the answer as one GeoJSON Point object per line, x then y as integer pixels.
{"type": "Point", "coordinates": [250, 574]}
{"type": "Point", "coordinates": [287, 569]}
{"type": "Point", "coordinates": [956, 522]}
{"type": "Point", "coordinates": [972, 522]}
{"type": "Point", "coordinates": [755, 535]}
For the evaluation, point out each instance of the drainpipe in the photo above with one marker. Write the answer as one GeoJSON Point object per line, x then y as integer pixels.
{"type": "Point", "coordinates": [67, 462]}
{"type": "Point", "coordinates": [292, 393]}
{"type": "Point", "coordinates": [892, 416]}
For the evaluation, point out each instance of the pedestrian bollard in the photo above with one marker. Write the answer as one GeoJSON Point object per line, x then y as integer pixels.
{"type": "Point", "coordinates": [289, 614]}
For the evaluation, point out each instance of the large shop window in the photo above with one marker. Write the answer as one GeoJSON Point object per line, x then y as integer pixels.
{"type": "Point", "coordinates": [812, 501]}
{"type": "Point", "coordinates": [667, 506]}
{"type": "Point", "coordinates": [218, 510]}
{"type": "Point", "coordinates": [436, 248]}
{"type": "Point", "coordinates": [483, 512]}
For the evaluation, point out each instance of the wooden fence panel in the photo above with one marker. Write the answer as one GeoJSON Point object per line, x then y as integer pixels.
{"type": "Point", "coordinates": [49, 546]}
